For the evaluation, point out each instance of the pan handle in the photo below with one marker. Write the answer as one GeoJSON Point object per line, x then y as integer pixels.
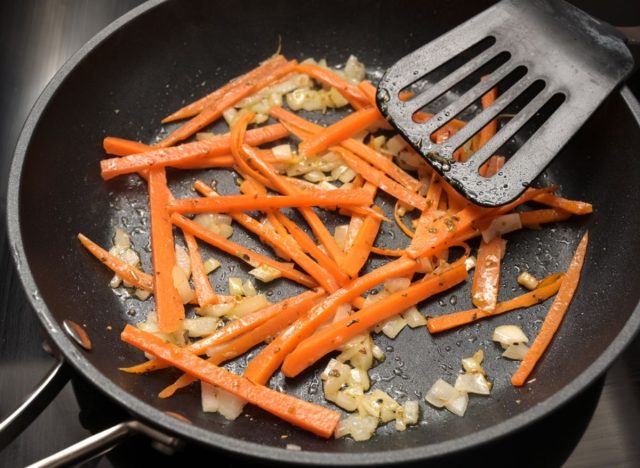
{"type": "Point", "coordinates": [102, 442]}
{"type": "Point", "coordinates": [45, 392]}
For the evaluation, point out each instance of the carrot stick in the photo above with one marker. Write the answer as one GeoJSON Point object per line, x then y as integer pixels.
{"type": "Point", "coordinates": [214, 111]}
{"type": "Point", "coordinates": [572, 206]}
{"type": "Point", "coordinates": [187, 154]}
{"type": "Point", "coordinates": [198, 106]}
{"type": "Point", "coordinates": [492, 166]}
{"type": "Point", "coordinates": [262, 367]}
{"type": "Point", "coordinates": [358, 255]}
{"type": "Point", "coordinates": [486, 278]}
{"type": "Point", "coordinates": [129, 273]}
{"type": "Point", "coordinates": [168, 303]}
{"type": "Point", "coordinates": [229, 203]}
{"type": "Point", "coordinates": [489, 130]}
{"type": "Point", "coordinates": [555, 315]}
{"type": "Point", "coordinates": [388, 252]}
{"type": "Point", "coordinates": [338, 333]}
{"type": "Point", "coordinates": [350, 91]}
{"type": "Point", "coordinates": [543, 292]}
{"type": "Point", "coordinates": [314, 418]}
{"type": "Point", "coordinates": [122, 147]}
{"type": "Point", "coordinates": [244, 254]}
{"type": "Point", "coordinates": [339, 131]}
{"type": "Point", "coordinates": [283, 186]}
{"type": "Point", "coordinates": [535, 217]}
{"type": "Point", "coordinates": [239, 345]}
{"type": "Point", "coordinates": [204, 292]}
{"type": "Point", "coordinates": [296, 304]}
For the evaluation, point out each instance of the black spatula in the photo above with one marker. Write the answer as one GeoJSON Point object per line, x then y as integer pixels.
{"type": "Point", "coordinates": [550, 60]}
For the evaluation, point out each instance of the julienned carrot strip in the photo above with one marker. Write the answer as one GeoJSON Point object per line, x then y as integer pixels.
{"type": "Point", "coordinates": [187, 154]}
{"type": "Point", "coordinates": [314, 418]}
{"type": "Point", "coordinates": [229, 203]}
{"type": "Point", "coordinates": [550, 215]}
{"type": "Point", "coordinates": [338, 333]}
{"type": "Point", "coordinates": [300, 303]}
{"type": "Point", "coordinates": [210, 99]}
{"type": "Point", "coordinates": [241, 344]}
{"type": "Point", "coordinates": [204, 291]}
{"type": "Point", "coordinates": [387, 252]}
{"type": "Point", "coordinates": [303, 129]}
{"type": "Point", "coordinates": [309, 246]}
{"type": "Point", "coordinates": [168, 303]}
{"type": "Point", "coordinates": [489, 130]}
{"type": "Point", "coordinates": [283, 186]}
{"type": "Point", "coordinates": [492, 166]}
{"type": "Point", "coordinates": [350, 91]}
{"type": "Point", "coordinates": [358, 255]}
{"type": "Point", "coordinates": [261, 368]}
{"type": "Point", "coordinates": [457, 319]}
{"type": "Point", "coordinates": [244, 254]}
{"type": "Point", "coordinates": [122, 147]}
{"type": "Point", "coordinates": [572, 206]}
{"type": "Point", "coordinates": [341, 130]}
{"type": "Point", "coordinates": [129, 273]}
{"type": "Point", "coordinates": [486, 277]}
{"type": "Point", "coordinates": [211, 113]}
{"type": "Point", "coordinates": [555, 315]}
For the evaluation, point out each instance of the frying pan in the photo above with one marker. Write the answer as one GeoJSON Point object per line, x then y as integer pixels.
{"type": "Point", "coordinates": [165, 53]}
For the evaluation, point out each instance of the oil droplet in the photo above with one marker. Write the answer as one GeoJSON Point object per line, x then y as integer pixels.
{"type": "Point", "coordinates": [389, 349]}
{"type": "Point", "coordinates": [453, 300]}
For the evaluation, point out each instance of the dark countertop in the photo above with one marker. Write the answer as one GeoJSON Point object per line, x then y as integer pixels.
{"type": "Point", "coordinates": [36, 37]}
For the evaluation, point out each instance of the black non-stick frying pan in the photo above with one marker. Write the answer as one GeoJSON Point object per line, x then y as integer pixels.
{"type": "Point", "coordinates": [163, 54]}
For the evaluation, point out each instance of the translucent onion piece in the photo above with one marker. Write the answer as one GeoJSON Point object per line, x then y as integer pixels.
{"type": "Point", "coordinates": [440, 394]}
{"type": "Point", "coordinates": [248, 289]}
{"type": "Point", "coordinates": [201, 326]}
{"type": "Point", "coordinates": [414, 318]}
{"type": "Point", "coordinates": [458, 405]}
{"type": "Point", "coordinates": [181, 283]}
{"type": "Point", "coordinates": [211, 264]}
{"type": "Point", "coordinates": [397, 284]}
{"type": "Point", "coordinates": [473, 383]}
{"type": "Point", "coordinates": [508, 335]}
{"type": "Point", "coordinates": [248, 305]}
{"type": "Point", "coordinates": [517, 351]}
{"type": "Point", "coordinates": [502, 225]}
{"type": "Point", "coordinates": [235, 287]}
{"type": "Point", "coordinates": [358, 427]}
{"type": "Point", "coordinates": [183, 260]}
{"type": "Point", "coordinates": [265, 273]}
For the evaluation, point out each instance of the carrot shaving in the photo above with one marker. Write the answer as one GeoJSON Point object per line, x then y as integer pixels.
{"type": "Point", "coordinates": [555, 315]}
{"type": "Point", "coordinates": [570, 206]}
{"type": "Point", "coordinates": [403, 227]}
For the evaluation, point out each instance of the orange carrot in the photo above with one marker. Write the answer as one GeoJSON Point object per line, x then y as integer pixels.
{"type": "Point", "coordinates": [388, 252]}
{"type": "Point", "coordinates": [204, 291]}
{"type": "Point", "coordinates": [489, 130]}
{"type": "Point", "coordinates": [229, 203]}
{"type": "Point", "coordinates": [358, 255]}
{"type": "Point", "coordinates": [244, 254]}
{"type": "Point", "coordinates": [555, 315]}
{"type": "Point", "coordinates": [340, 332]}
{"type": "Point", "coordinates": [122, 147]}
{"type": "Point", "coordinates": [535, 217]}
{"type": "Point", "coordinates": [544, 291]}
{"type": "Point", "coordinates": [233, 329]}
{"type": "Point", "coordinates": [187, 154]}
{"type": "Point", "coordinates": [327, 77]}
{"type": "Point", "coordinates": [129, 273]}
{"type": "Point", "coordinates": [492, 166]}
{"type": "Point", "coordinates": [168, 303]}
{"type": "Point", "coordinates": [339, 131]}
{"type": "Point", "coordinates": [486, 278]}
{"type": "Point", "coordinates": [211, 113]}
{"type": "Point", "coordinates": [262, 367]}
{"type": "Point", "coordinates": [314, 418]}
{"type": "Point", "coordinates": [198, 106]}
{"type": "Point", "coordinates": [571, 206]}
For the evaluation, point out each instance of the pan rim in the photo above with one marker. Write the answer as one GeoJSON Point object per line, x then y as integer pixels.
{"type": "Point", "coordinates": [73, 355]}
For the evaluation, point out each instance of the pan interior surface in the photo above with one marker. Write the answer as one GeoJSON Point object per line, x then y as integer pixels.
{"type": "Point", "coordinates": [178, 51]}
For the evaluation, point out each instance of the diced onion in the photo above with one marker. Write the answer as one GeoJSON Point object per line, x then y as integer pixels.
{"type": "Point", "coordinates": [183, 260]}
{"type": "Point", "coordinates": [121, 239]}
{"type": "Point", "coordinates": [249, 305]}
{"type": "Point", "coordinates": [142, 294]}
{"type": "Point", "coordinates": [407, 414]}
{"type": "Point", "coordinates": [325, 185]}
{"type": "Point", "coordinates": [393, 326]}
{"type": "Point", "coordinates": [517, 351]}
{"type": "Point", "coordinates": [473, 364]}
{"type": "Point", "coordinates": [248, 289]}
{"type": "Point", "coordinates": [394, 145]}
{"type": "Point", "coordinates": [201, 326]}
{"type": "Point", "coordinates": [216, 310]}
{"type": "Point", "coordinates": [414, 318]}
{"type": "Point", "coordinates": [181, 283]}
{"type": "Point", "coordinates": [342, 312]}
{"type": "Point", "coordinates": [508, 335]}
{"type": "Point", "coordinates": [340, 235]}
{"type": "Point", "coordinates": [397, 284]}
{"type": "Point", "coordinates": [473, 383]}
{"type": "Point", "coordinates": [527, 280]}
{"type": "Point", "coordinates": [314, 176]}
{"type": "Point", "coordinates": [458, 405]}
{"type": "Point", "coordinates": [265, 273]}
{"type": "Point", "coordinates": [235, 287]}
{"type": "Point", "coordinates": [354, 69]}
{"type": "Point", "coordinates": [211, 264]}
{"type": "Point", "coordinates": [470, 263]}
{"type": "Point", "coordinates": [336, 99]}
{"type": "Point", "coordinates": [282, 152]}
{"type": "Point", "coordinates": [502, 225]}
{"type": "Point", "coordinates": [347, 176]}
{"type": "Point", "coordinates": [440, 393]}
{"type": "Point", "coordinates": [358, 427]}
{"type": "Point", "coordinates": [215, 399]}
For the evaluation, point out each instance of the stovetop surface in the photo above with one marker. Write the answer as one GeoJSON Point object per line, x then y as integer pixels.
{"type": "Point", "coordinates": [599, 428]}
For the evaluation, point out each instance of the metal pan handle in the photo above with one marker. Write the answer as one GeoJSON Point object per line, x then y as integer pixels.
{"type": "Point", "coordinates": [45, 392]}
{"type": "Point", "coordinates": [102, 442]}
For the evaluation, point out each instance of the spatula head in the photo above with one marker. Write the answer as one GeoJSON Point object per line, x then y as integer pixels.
{"type": "Point", "coordinates": [553, 65]}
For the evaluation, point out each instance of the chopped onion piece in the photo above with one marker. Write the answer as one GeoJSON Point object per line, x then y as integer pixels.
{"type": "Point", "coordinates": [235, 287]}
{"type": "Point", "coordinates": [215, 399]}
{"type": "Point", "coordinates": [394, 145]}
{"type": "Point", "coordinates": [473, 383]}
{"type": "Point", "coordinates": [378, 353]}
{"type": "Point", "coordinates": [183, 260]}
{"type": "Point", "coordinates": [458, 405]}
{"type": "Point", "coordinates": [314, 176]}
{"type": "Point", "coordinates": [342, 311]}
{"type": "Point", "coordinates": [397, 284]}
{"type": "Point", "coordinates": [508, 335]}
{"type": "Point", "coordinates": [142, 294]}
{"type": "Point", "coordinates": [249, 304]}
{"type": "Point", "coordinates": [216, 310]}
{"type": "Point", "coordinates": [325, 185]}
{"type": "Point", "coordinates": [502, 225]}
{"type": "Point", "coordinates": [230, 116]}
{"type": "Point", "coordinates": [211, 264]}
{"type": "Point", "coordinates": [340, 235]}
{"type": "Point", "coordinates": [473, 364]}
{"type": "Point", "coordinates": [358, 427]}
{"type": "Point", "coordinates": [527, 280]}
{"type": "Point", "coordinates": [248, 289]}
{"type": "Point", "coordinates": [470, 263]}
{"type": "Point", "coordinates": [414, 318]}
{"type": "Point", "coordinates": [121, 239]}
{"type": "Point", "coordinates": [347, 176]}
{"type": "Point", "coordinates": [265, 273]}
{"type": "Point", "coordinates": [440, 393]}
{"type": "Point", "coordinates": [181, 283]}
{"type": "Point", "coordinates": [407, 414]}
{"type": "Point", "coordinates": [393, 326]}
{"type": "Point", "coordinates": [517, 351]}
{"type": "Point", "coordinates": [201, 326]}
{"type": "Point", "coordinates": [335, 98]}
{"type": "Point", "coordinates": [354, 69]}
{"type": "Point", "coordinates": [282, 152]}
{"type": "Point", "coordinates": [209, 397]}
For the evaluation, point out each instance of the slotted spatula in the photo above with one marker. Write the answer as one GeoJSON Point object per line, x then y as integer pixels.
{"type": "Point", "coordinates": [556, 61]}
